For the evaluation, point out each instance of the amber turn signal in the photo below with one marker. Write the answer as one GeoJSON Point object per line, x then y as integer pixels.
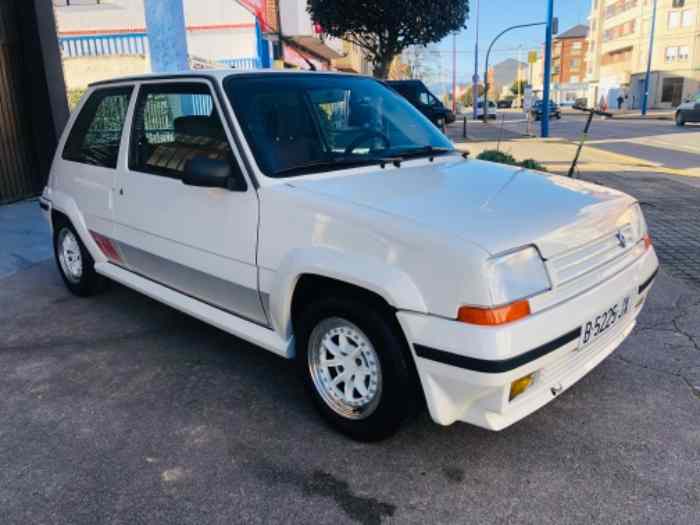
{"type": "Point", "coordinates": [647, 241]}
{"type": "Point", "coordinates": [519, 386]}
{"type": "Point", "coordinates": [494, 316]}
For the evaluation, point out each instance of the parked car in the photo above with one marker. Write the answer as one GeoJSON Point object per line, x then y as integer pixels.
{"type": "Point", "coordinates": [480, 109]}
{"type": "Point", "coordinates": [420, 96]}
{"type": "Point", "coordinates": [322, 218]}
{"type": "Point", "coordinates": [537, 107]}
{"type": "Point", "coordinates": [689, 111]}
{"type": "Point", "coordinates": [504, 104]}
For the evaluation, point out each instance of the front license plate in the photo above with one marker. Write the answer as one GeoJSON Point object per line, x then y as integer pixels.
{"type": "Point", "coordinates": [604, 321]}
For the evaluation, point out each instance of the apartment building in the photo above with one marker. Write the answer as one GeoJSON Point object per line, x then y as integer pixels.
{"type": "Point", "coordinates": [618, 44]}
{"type": "Point", "coordinates": [569, 64]}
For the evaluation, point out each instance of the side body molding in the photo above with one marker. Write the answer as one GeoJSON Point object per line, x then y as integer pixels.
{"type": "Point", "coordinates": [367, 272]}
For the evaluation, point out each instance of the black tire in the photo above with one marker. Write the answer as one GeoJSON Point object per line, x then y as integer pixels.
{"type": "Point", "coordinates": [399, 396]}
{"type": "Point", "coordinates": [88, 282]}
{"type": "Point", "coordinates": [680, 120]}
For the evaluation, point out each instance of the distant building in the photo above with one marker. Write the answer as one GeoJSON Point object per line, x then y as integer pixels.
{"type": "Point", "coordinates": [619, 46]}
{"type": "Point", "coordinates": [569, 65]}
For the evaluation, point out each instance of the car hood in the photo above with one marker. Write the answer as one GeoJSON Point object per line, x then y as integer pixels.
{"type": "Point", "coordinates": [496, 206]}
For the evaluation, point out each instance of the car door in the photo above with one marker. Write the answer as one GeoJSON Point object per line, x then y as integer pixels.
{"type": "Point", "coordinates": [88, 162]}
{"type": "Point", "coordinates": [199, 241]}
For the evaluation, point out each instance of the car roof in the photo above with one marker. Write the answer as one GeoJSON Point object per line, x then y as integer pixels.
{"type": "Point", "coordinates": [410, 81]}
{"type": "Point", "coordinates": [218, 74]}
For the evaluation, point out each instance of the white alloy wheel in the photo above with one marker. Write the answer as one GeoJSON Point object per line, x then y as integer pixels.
{"type": "Point", "coordinates": [345, 368]}
{"type": "Point", "coordinates": [69, 256]}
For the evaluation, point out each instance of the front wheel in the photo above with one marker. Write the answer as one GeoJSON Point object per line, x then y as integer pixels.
{"type": "Point", "coordinates": [680, 121]}
{"type": "Point", "coordinates": [353, 360]}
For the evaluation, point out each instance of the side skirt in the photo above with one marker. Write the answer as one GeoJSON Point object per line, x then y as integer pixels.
{"type": "Point", "coordinates": [251, 332]}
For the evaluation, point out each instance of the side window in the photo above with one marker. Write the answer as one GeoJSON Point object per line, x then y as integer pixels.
{"type": "Point", "coordinates": [174, 123]}
{"type": "Point", "coordinates": [97, 131]}
{"type": "Point", "coordinates": [425, 98]}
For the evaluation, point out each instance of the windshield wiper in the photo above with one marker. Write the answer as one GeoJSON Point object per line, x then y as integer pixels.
{"type": "Point", "coordinates": [423, 150]}
{"type": "Point", "coordinates": [339, 163]}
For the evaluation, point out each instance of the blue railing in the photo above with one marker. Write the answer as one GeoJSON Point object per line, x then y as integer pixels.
{"type": "Point", "coordinates": [241, 63]}
{"type": "Point", "coordinates": [130, 44]}
{"type": "Point", "coordinates": [98, 45]}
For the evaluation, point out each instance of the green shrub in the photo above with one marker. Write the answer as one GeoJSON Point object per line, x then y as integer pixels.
{"type": "Point", "coordinates": [532, 164]}
{"type": "Point", "coordinates": [493, 155]}
{"type": "Point", "coordinates": [74, 96]}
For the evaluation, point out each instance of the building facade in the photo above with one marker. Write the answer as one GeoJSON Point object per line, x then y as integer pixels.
{"type": "Point", "coordinates": [569, 65]}
{"type": "Point", "coordinates": [619, 46]}
{"type": "Point", "coordinates": [106, 38]}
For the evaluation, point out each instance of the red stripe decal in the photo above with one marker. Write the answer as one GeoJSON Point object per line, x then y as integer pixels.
{"type": "Point", "coordinates": [106, 246]}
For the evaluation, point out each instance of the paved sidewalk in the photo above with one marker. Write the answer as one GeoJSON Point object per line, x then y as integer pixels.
{"type": "Point", "coordinates": [26, 237]}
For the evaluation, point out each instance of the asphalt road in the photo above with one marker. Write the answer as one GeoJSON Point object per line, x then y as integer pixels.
{"type": "Point", "coordinates": [116, 409]}
{"type": "Point", "coordinates": [656, 141]}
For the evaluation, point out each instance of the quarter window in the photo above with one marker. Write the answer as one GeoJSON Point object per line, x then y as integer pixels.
{"type": "Point", "coordinates": [97, 131]}
{"type": "Point", "coordinates": [174, 123]}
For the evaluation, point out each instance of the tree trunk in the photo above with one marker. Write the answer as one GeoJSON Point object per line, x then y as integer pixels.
{"type": "Point", "coordinates": [382, 67]}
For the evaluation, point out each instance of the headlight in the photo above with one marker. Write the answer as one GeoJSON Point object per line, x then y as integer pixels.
{"type": "Point", "coordinates": [517, 275]}
{"type": "Point", "coordinates": [635, 218]}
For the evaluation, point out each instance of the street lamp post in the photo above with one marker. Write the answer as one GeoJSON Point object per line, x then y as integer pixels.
{"type": "Point", "coordinates": [486, 66]}
{"type": "Point", "coordinates": [645, 96]}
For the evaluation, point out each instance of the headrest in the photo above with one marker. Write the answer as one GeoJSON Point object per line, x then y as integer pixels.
{"type": "Point", "coordinates": [199, 126]}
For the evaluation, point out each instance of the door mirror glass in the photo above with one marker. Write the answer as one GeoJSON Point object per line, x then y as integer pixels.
{"type": "Point", "coordinates": [211, 173]}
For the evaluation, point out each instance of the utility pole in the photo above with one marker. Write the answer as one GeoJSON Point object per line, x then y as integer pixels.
{"type": "Point", "coordinates": [645, 96]}
{"type": "Point", "coordinates": [547, 70]}
{"type": "Point", "coordinates": [475, 78]}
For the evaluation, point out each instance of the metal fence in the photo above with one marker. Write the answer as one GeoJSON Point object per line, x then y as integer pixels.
{"type": "Point", "coordinates": [242, 63]}
{"type": "Point", "coordinates": [100, 45]}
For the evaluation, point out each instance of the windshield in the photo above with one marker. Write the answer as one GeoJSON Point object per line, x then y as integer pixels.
{"type": "Point", "coordinates": [300, 123]}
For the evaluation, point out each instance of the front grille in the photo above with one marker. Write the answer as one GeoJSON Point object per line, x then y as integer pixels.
{"type": "Point", "coordinates": [589, 257]}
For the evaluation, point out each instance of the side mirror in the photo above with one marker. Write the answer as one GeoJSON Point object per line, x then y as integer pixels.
{"type": "Point", "coordinates": [212, 173]}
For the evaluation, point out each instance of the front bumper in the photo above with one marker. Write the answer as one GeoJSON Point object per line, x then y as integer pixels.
{"type": "Point", "coordinates": [466, 370]}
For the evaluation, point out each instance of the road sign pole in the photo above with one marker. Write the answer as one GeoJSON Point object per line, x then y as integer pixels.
{"type": "Point", "coordinates": [547, 69]}
{"type": "Point", "coordinates": [645, 96]}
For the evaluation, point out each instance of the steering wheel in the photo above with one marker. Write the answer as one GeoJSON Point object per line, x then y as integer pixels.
{"type": "Point", "coordinates": [366, 136]}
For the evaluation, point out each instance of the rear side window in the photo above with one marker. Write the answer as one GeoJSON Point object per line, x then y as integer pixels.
{"type": "Point", "coordinates": [97, 131]}
{"type": "Point", "coordinates": [173, 123]}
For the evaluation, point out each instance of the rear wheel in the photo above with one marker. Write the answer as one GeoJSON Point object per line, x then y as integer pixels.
{"type": "Point", "coordinates": [75, 263]}
{"type": "Point", "coordinates": [680, 120]}
{"type": "Point", "coordinates": [354, 363]}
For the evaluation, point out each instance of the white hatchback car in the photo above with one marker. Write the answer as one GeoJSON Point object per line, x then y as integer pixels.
{"type": "Point", "coordinates": [323, 218]}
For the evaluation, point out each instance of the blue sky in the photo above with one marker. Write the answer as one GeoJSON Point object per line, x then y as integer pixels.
{"type": "Point", "coordinates": [496, 15]}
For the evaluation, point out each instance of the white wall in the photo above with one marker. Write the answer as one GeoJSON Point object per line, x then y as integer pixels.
{"type": "Point", "coordinates": [295, 20]}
